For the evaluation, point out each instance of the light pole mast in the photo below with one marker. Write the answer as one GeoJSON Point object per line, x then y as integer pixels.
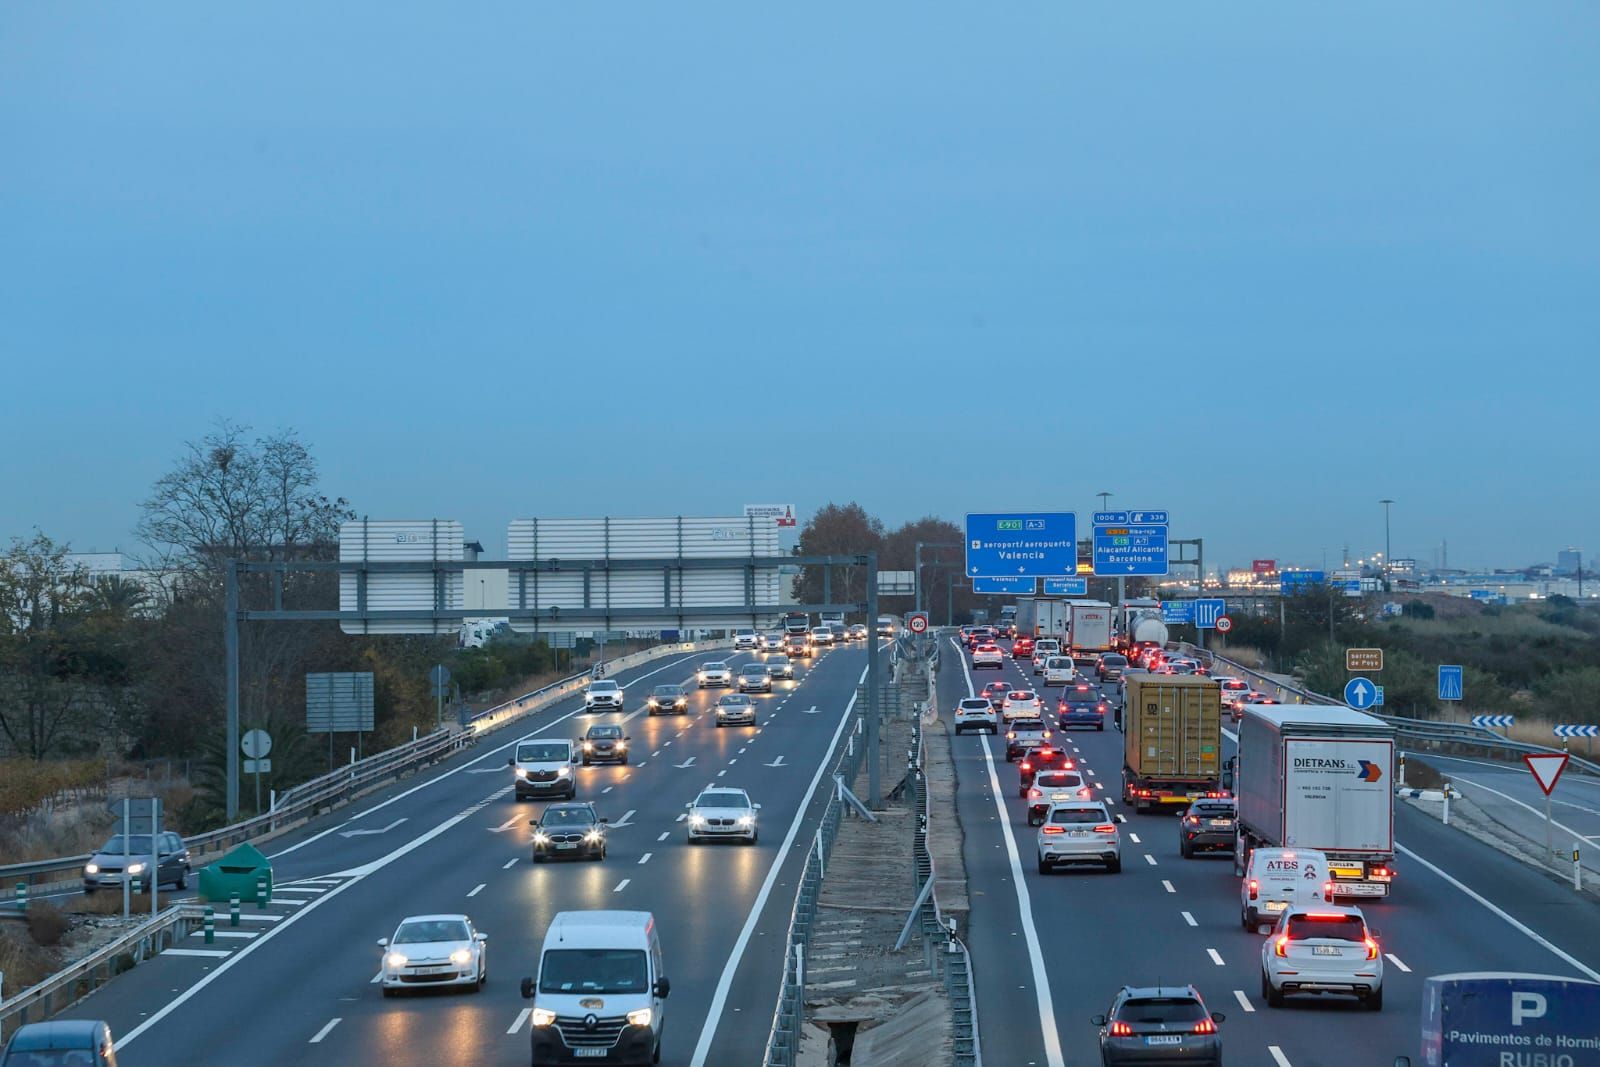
{"type": "Point", "coordinates": [1388, 558]}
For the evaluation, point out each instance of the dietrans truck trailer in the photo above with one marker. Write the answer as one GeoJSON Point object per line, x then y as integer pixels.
{"type": "Point", "coordinates": [1171, 740]}
{"type": "Point", "coordinates": [1319, 776]}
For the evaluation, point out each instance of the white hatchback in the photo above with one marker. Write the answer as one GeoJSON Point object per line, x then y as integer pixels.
{"type": "Point", "coordinates": [976, 713]}
{"type": "Point", "coordinates": [1079, 832]}
{"type": "Point", "coordinates": [434, 950]}
{"type": "Point", "coordinates": [1021, 704]}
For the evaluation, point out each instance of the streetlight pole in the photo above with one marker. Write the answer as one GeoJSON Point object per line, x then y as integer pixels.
{"type": "Point", "coordinates": [1388, 556]}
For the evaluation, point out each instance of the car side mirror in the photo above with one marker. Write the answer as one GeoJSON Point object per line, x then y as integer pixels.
{"type": "Point", "coordinates": [1374, 933]}
{"type": "Point", "coordinates": [480, 937]}
{"type": "Point", "coordinates": [512, 762]}
{"type": "Point", "coordinates": [383, 942]}
{"type": "Point", "coordinates": [604, 820]}
{"type": "Point", "coordinates": [1217, 1017]}
{"type": "Point", "coordinates": [533, 822]}
{"type": "Point", "coordinates": [687, 806]}
{"type": "Point", "coordinates": [628, 738]}
{"type": "Point", "coordinates": [758, 808]}
{"type": "Point", "coordinates": [1098, 1020]}
{"type": "Point", "coordinates": [527, 989]}
{"type": "Point", "coordinates": [663, 987]}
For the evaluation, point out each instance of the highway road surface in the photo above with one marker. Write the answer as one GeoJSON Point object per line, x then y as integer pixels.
{"type": "Point", "coordinates": [296, 983]}
{"type": "Point", "coordinates": [1050, 951]}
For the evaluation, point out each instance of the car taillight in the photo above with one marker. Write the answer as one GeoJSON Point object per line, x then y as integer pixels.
{"type": "Point", "coordinates": [1085, 793]}
{"type": "Point", "coordinates": [1121, 1029]}
{"type": "Point", "coordinates": [1254, 888]}
{"type": "Point", "coordinates": [1205, 1026]}
{"type": "Point", "coordinates": [1052, 830]}
{"type": "Point", "coordinates": [1101, 709]}
{"type": "Point", "coordinates": [1372, 949]}
{"type": "Point", "coordinates": [1034, 794]}
{"type": "Point", "coordinates": [1281, 946]}
{"type": "Point", "coordinates": [1106, 828]}
{"type": "Point", "coordinates": [1327, 892]}
{"type": "Point", "coordinates": [1026, 766]}
{"type": "Point", "coordinates": [1192, 820]}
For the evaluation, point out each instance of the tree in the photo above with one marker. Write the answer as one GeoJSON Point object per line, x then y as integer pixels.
{"type": "Point", "coordinates": [837, 530]}
{"type": "Point", "coordinates": [116, 596]}
{"type": "Point", "coordinates": [943, 568]}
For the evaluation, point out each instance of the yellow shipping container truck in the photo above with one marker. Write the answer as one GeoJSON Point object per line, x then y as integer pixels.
{"type": "Point", "coordinates": [1171, 740]}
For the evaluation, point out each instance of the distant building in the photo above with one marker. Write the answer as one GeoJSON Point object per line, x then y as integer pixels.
{"type": "Point", "coordinates": [1569, 560]}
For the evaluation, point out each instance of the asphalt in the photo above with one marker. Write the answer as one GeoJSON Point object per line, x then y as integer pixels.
{"type": "Point", "coordinates": [301, 990]}
{"type": "Point", "coordinates": [1050, 951]}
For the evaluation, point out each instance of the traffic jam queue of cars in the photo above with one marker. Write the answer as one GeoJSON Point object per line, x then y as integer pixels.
{"type": "Point", "coordinates": [1316, 944]}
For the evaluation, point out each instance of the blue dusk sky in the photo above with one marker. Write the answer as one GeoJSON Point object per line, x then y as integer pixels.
{"type": "Point", "coordinates": [1259, 264]}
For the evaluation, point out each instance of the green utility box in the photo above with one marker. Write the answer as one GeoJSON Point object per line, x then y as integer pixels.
{"type": "Point", "coordinates": [236, 872]}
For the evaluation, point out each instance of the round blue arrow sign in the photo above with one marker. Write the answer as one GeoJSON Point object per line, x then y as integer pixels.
{"type": "Point", "coordinates": [1360, 693]}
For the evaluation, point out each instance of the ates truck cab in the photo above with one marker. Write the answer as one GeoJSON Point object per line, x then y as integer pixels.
{"type": "Point", "coordinates": [1319, 776]}
{"type": "Point", "coordinates": [1171, 741]}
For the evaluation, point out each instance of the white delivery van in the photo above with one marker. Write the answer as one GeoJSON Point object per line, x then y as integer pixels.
{"type": "Point", "coordinates": [1277, 879]}
{"type": "Point", "coordinates": [544, 768]}
{"type": "Point", "coordinates": [600, 992]}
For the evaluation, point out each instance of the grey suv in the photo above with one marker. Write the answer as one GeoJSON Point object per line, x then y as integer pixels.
{"type": "Point", "coordinates": [1159, 1024]}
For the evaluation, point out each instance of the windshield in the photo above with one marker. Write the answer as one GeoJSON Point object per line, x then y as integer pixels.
{"type": "Point", "coordinates": [51, 1057]}
{"type": "Point", "coordinates": [1335, 927]}
{"type": "Point", "coordinates": [605, 733]}
{"type": "Point", "coordinates": [978, 704]}
{"type": "Point", "coordinates": [1057, 662]}
{"type": "Point", "coordinates": [567, 817]}
{"type": "Point", "coordinates": [431, 930]}
{"type": "Point", "coordinates": [1057, 780]}
{"type": "Point", "coordinates": [1073, 816]}
{"type": "Point", "coordinates": [1113, 661]}
{"type": "Point", "coordinates": [1164, 1010]}
{"type": "Point", "coordinates": [669, 692]}
{"type": "Point", "coordinates": [602, 687]}
{"type": "Point", "coordinates": [722, 799]}
{"type": "Point", "coordinates": [715, 667]}
{"type": "Point", "coordinates": [754, 670]}
{"type": "Point", "coordinates": [1214, 811]}
{"type": "Point", "coordinates": [593, 970]}
{"type": "Point", "coordinates": [733, 699]}
{"type": "Point", "coordinates": [548, 752]}
{"type": "Point", "coordinates": [138, 844]}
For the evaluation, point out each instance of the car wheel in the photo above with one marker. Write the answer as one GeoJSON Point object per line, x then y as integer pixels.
{"type": "Point", "coordinates": [483, 976]}
{"type": "Point", "coordinates": [1114, 865]}
{"type": "Point", "coordinates": [752, 839]}
{"type": "Point", "coordinates": [1273, 996]}
{"type": "Point", "coordinates": [586, 761]}
{"type": "Point", "coordinates": [1374, 1001]}
{"type": "Point", "coordinates": [1186, 850]}
{"type": "Point", "coordinates": [1044, 868]}
{"type": "Point", "coordinates": [537, 858]}
{"type": "Point", "coordinates": [1249, 918]}
{"type": "Point", "coordinates": [1034, 820]}
{"type": "Point", "coordinates": [388, 992]}
{"type": "Point", "coordinates": [1101, 727]}
{"type": "Point", "coordinates": [651, 713]}
{"type": "Point", "coordinates": [623, 761]}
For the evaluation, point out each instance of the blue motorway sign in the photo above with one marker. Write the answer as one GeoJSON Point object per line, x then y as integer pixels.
{"type": "Point", "coordinates": [1110, 518]}
{"type": "Point", "coordinates": [1208, 611]}
{"type": "Point", "coordinates": [1177, 612]}
{"type": "Point", "coordinates": [1024, 586]}
{"type": "Point", "coordinates": [1291, 582]}
{"type": "Point", "coordinates": [1125, 550]}
{"type": "Point", "coordinates": [1066, 587]}
{"type": "Point", "coordinates": [1360, 693]}
{"type": "Point", "coordinates": [1022, 544]}
{"type": "Point", "coordinates": [1148, 518]}
{"type": "Point", "coordinates": [1450, 684]}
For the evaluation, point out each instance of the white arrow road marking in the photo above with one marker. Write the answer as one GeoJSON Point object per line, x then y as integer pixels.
{"type": "Point", "coordinates": [686, 763]}
{"type": "Point", "coordinates": [324, 1031]}
{"type": "Point", "coordinates": [620, 823]}
{"type": "Point", "coordinates": [485, 770]}
{"type": "Point", "coordinates": [369, 833]}
{"type": "Point", "coordinates": [775, 763]}
{"type": "Point", "coordinates": [812, 710]}
{"type": "Point", "coordinates": [508, 824]}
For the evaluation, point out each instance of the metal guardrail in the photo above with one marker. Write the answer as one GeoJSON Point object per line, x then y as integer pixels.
{"type": "Point", "coordinates": [67, 987]}
{"type": "Point", "coordinates": [783, 1040]}
{"type": "Point", "coordinates": [339, 786]}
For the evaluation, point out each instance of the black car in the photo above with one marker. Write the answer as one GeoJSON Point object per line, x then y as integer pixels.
{"type": "Point", "coordinates": [1207, 825]}
{"type": "Point", "coordinates": [1111, 666]}
{"type": "Point", "coordinates": [79, 1042]}
{"type": "Point", "coordinates": [1046, 757]}
{"type": "Point", "coordinates": [1159, 1024]}
{"type": "Point", "coordinates": [105, 868]}
{"type": "Point", "coordinates": [569, 831]}
{"type": "Point", "coordinates": [667, 699]}
{"type": "Point", "coordinates": [605, 743]}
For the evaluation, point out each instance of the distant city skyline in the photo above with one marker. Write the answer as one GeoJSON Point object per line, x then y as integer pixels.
{"type": "Point", "coordinates": [1262, 267]}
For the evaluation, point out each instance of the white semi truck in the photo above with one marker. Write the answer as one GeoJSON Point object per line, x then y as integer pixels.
{"type": "Point", "coordinates": [1091, 629]}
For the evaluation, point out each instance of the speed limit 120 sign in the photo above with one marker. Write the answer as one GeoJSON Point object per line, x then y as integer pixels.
{"type": "Point", "coordinates": [1224, 624]}
{"type": "Point", "coordinates": [917, 622]}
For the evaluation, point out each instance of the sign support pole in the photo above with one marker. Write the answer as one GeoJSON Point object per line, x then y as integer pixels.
{"type": "Point", "coordinates": [231, 652]}
{"type": "Point", "coordinates": [155, 847]}
{"type": "Point", "coordinates": [1549, 827]}
{"type": "Point", "coordinates": [127, 858]}
{"type": "Point", "coordinates": [874, 783]}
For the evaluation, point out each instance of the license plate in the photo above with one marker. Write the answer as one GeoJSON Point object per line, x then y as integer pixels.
{"type": "Point", "coordinates": [1345, 872]}
{"type": "Point", "coordinates": [1222, 822]}
{"type": "Point", "coordinates": [566, 844]}
{"type": "Point", "coordinates": [1325, 950]}
{"type": "Point", "coordinates": [1277, 905]}
{"type": "Point", "coordinates": [1164, 1039]}
{"type": "Point", "coordinates": [434, 970]}
{"type": "Point", "coordinates": [597, 1053]}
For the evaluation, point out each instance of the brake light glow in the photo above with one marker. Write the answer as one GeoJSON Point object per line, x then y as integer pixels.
{"type": "Point", "coordinates": [1034, 794]}
{"type": "Point", "coordinates": [1254, 888]}
{"type": "Point", "coordinates": [1327, 892]}
{"type": "Point", "coordinates": [1281, 946]}
{"type": "Point", "coordinates": [1053, 830]}
{"type": "Point", "coordinates": [1372, 948]}
{"type": "Point", "coordinates": [1121, 1029]}
{"type": "Point", "coordinates": [1026, 766]}
{"type": "Point", "coordinates": [1205, 1026]}
{"type": "Point", "coordinates": [1106, 828]}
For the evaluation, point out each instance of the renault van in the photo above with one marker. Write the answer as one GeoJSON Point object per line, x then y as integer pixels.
{"type": "Point", "coordinates": [543, 768]}
{"type": "Point", "coordinates": [600, 994]}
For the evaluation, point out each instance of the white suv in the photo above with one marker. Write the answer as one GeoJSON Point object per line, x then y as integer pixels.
{"type": "Point", "coordinates": [1079, 831]}
{"type": "Point", "coordinates": [1021, 704]}
{"type": "Point", "coordinates": [988, 656]}
{"type": "Point", "coordinates": [746, 639]}
{"type": "Point", "coordinates": [603, 695]}
{"type": "Point", "coordinates": [1322, 950]}
{"type": "Point", "coordinates": [976, 713]}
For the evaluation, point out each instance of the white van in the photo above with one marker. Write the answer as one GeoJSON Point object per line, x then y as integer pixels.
{"type": "Point", "coordinates": [1277, 879]}
{"type": "Point", "coordinates": [1059, 670]}
{"type": "Point", "coordinates": [1043, 649]}
{"type": "Point", "coordinates": [600, 992]}
{"type": "Point", "coordinates": [542, 768]}
{"type": "Point", "coordinates": [885, 625]}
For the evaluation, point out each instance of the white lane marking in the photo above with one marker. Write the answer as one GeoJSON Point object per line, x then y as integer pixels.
{"type": "Point", "coordinates": [733, 761]}
{"type": "Point", "coordinates": [209, 953]}
{"type": "Point", "coordinates": [1278, 1056]}
{"type": "Point", "coordinates": [1168, 886]}
{"type": "Point", "coordinates": [607, 789]}
{"type": "Point", "coordinates": [680, 818]}
{"type": "Point", "coordinates": [370, 833]}
{"type": "Point", "coordinates": [1515, 923]}
{"type": "Point", "coordinates": [1244, 1001]}
{"type": "Point", "coordinates": [376, 978]}
{"type": "Point", "coordinates": [1189, 919]}
{"type": "Point", "coordinates": [722, 772]}
{"type": "Point", "coordinates": [252, 917]}
{"type": "Point", "coordinates": [1506, 796]}
{"type": "Point", "coordinates": [646, 857]}
{"type": "Point", "coordinates": [1151, 860]}
{"type": "Point", "coordinates": [622, 885]}
{"type": "Point", "coordinates": [508, 824]}
{"type": "Point", "coordinates": [512, 862]}
{"type": "Point", "coordinates": [325, 1030]}
{"type": "Point", "coordinates": [620, 823]}
{"type": "Point", "coordinates": [1392, 958]}
{"type": "Point", "coordinates": [702, 1047]}
{"type": "Point", "coordinates": [1214, 957]}
{"type": "Point", "coordinates": [286, 902]}
{"type": "Point", "coordinates": [475, 892]}
{"type": "Point", "coordinates": [664, 835]}
{"type": "Point", "coordinates": [316, 889]}
{"type": "Point", "coordinates": [522, 1017]}
{"type": "Point", "coordinates": [741, 751]}
{"type": "Point", "coordinates": [492, 753]}
{"type": "Point", "coordinates": [245, 934]}
{"type": "Point", "coordinates": [1041, 977]}
{"type": "Point", "coordinates": [1135, 839]}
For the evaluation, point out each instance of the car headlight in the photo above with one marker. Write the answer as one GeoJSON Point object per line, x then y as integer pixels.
{"type": "Point", "coordinates": [395, 960]}
{"type": "Point", "coordinates": [592, 837]}
{"type": "Point", "coordinates": [563, 771]}
{"type": "Point", "coordinates": [522, 772]}
{"type": "Point", "coordinates": [639, 1017]}
{"type": "Point", "coordinates": [622, 746]}
{"type": "Point", "coordinates": [683, 702]}
{"type": "Point", "coordinates": [697, 820]}
{"type": "Point", "coordinates": [588, 746]}
{"type": "Point", "coordinates": [540, 837]}
{"type": "Point", "coordinates": [93, 868]}
{"type": "Point", "coordinates": [747, 820]}
{"type": "Point", "coordinates": [135, 868]}
{"type": "Point", "coordinates": [542, 1017]}
{"type": "Point", "coordinates": [651, 702]}
{"type": "Point", "coordinates": [722, 711]}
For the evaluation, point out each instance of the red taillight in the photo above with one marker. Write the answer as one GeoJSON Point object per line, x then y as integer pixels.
{"type": "Point", "coordinates": [1372, 949]}
{"type": "Point", "coordinates": [1053, 830]}
{"type": "Point", "coordinates": [1026, 766]}
{"type": "Point", "coordinates": [1254, 887]}
{"type": "Point", "coordinates": [1327, 892]}
{"type": "Point", "coordinates": [1281, 946]}
{"type": "Point", "coordinates": [1205, 1026]}
{"type": "Point", "coordinates": [1034, 794]}
{"type": "Point", "coordinates": [1192, 820]}
{"type": "Point", "coordinates": [1120, 1029]}
{"type": "Point", "coordinates": [1086, 793]}
{"type": "Point", "coordinates": [1106, 828]}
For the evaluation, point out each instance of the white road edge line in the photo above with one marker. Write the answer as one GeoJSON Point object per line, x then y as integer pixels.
{"type": "Point", "coordinates": [320, 1034]}
{"type": "Point", "coordinates": [708, 1032]}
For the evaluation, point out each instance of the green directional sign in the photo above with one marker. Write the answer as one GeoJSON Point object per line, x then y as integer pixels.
{"type": "Point", "coordinates": [1008, 524]}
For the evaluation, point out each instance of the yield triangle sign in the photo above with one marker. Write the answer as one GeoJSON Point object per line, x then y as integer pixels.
{"type": "Point", "coordinates": [1547, 769]}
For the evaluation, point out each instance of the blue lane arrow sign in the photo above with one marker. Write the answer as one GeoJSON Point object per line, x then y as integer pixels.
{"type": "Point", "coordinates": [1208, 610]}
{"type": "Point", "coordinates": [1360, 693]}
